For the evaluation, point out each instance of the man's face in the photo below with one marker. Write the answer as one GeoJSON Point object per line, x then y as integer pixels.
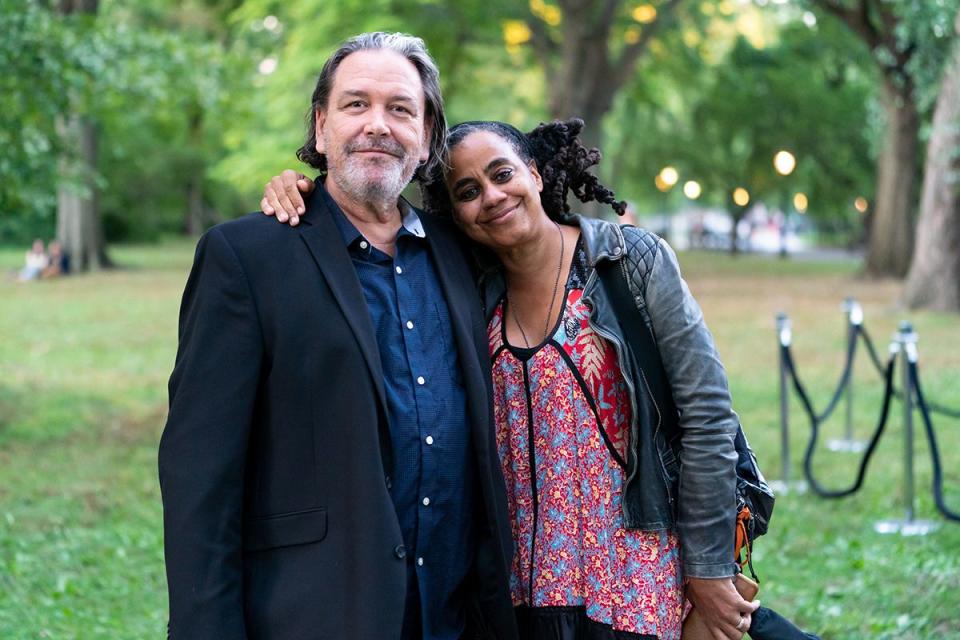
{"type": "Point", "coordinates": [373, 129]}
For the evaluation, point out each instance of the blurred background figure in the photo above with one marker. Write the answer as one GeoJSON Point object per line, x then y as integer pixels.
{"type": "Point", "coordinates": [58, 263]}
{"type": "Point", "coordinates": [34, 262]}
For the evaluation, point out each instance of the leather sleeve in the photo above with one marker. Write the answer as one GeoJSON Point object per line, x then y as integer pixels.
{"type": "Point", "coordinates": [708, 424]}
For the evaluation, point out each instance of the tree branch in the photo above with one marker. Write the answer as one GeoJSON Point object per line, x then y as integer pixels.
{"type": "Point", "coordinates": [543, 44]}
{"type": "Point", "coordinates": [623, 67]}
{"type": "Point", "coordinates": [857, 20]}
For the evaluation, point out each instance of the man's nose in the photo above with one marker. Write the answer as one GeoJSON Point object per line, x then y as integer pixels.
{"type": "Point", "coordinates": [376, 125]}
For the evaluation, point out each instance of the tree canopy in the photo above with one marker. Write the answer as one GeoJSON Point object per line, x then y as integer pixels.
{"type": "Point", "coordinates": [195, 104]}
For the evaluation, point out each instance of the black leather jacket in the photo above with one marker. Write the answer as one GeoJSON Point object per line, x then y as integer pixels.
{"type": "Point", "coordinates": [695, 494]}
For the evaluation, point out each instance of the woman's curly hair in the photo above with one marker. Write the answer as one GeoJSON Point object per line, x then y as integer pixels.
{"type": "Point", "coordinates": [562, 160]}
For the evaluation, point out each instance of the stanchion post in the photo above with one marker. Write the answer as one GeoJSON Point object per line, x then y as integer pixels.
{"type": "Point", "coordinates": [784, 335]}
{"type": "Point", "coordinates": [854, 313]}
{"type": "Point", "coordinates": [854, 320]}
{"type": "Point", "coordinates": [906, 343]}
{"type": "Point", "coordinates": [784, 338]}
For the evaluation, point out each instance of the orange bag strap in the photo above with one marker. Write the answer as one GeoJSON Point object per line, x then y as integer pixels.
{"type": "Point", "coordinates": [742, 542]}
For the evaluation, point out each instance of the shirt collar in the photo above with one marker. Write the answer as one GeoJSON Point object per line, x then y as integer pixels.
{"type": "Point", "coordinates": [410, 222]}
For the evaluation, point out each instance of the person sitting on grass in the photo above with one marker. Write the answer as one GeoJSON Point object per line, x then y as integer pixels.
{"type": "Point", "coordinates": [57, 261]}
{"type": "Point", "coordinates": [34, 262]}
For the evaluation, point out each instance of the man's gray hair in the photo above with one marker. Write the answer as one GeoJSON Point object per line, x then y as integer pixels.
{"type": "Point", "coordinates": [410, 47]}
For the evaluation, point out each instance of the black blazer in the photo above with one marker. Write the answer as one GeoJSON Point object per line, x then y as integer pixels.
{"type": "Point", "coordinates": [275, 462]}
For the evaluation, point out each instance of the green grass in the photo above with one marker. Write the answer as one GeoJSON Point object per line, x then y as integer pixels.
{"type": "Point", "coordinates": [83, 369]}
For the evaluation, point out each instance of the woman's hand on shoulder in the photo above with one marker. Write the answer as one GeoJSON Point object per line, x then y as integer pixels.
{"type": "Point", "coordinates": [282, 196]}
{"type": "Point", "coordinates": [724, 610]}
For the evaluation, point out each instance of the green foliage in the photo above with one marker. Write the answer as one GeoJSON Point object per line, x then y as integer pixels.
{"type": "Point", "coordinates": [32, 93]}
{"type": "Point", "coordinates": [153, 78]}
{"type": "Point", "coordinates": [212, 94]}
{"type": "Point", "coordinates": [720, 115]}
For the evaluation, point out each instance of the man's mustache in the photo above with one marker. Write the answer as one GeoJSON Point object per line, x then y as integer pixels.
{"type": "Point", "coordinates": [385, 146]}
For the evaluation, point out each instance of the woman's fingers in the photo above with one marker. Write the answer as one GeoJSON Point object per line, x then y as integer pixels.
{"type": "Point", "coordinates": [283, 196]}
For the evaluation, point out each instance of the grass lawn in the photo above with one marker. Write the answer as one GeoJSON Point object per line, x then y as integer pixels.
{"type": "Point", "coordinates": [83, 369]}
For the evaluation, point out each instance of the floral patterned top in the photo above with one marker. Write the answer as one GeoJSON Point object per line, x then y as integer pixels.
{"type": "Point", "coordinates": [562, 415]}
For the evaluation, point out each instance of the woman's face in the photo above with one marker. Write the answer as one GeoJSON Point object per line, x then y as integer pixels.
{"type": "Point", "coordinates": [495, 194]}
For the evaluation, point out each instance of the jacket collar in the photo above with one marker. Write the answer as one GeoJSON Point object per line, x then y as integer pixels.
{"type": "Point", "coordinates": [602, 240]}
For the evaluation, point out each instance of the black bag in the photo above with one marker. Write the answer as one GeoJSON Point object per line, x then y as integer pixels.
{"type": "Point", "coordinates": [752, 489]}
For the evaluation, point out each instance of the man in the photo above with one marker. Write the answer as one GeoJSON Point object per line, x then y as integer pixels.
{"type": "Point", "coordinates": [328, 467]}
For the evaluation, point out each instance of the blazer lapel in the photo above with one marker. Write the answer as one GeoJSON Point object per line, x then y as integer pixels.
{"type": "Point", "coordinates": [325, 243]}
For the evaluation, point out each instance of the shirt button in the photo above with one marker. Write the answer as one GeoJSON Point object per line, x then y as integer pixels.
{"type": "Point", "coordinates": [400, 551]}
{"type": "Point", "coordinates": [419, 562]}
{"type": "Point", "coordinates": [364, 244]}
{"type": "Point", "coordinates": [421, 380]}
{"type": "Point", "coordinates": [399, 270]}
{"type": "Point", "coordinates": [389, 483]}
{"type": "Point", "coordinates": [409, 324]}
{"type": "Point", "coordinates": [429, 439]}
{"type": "Point", "coordinates": [426, 502]}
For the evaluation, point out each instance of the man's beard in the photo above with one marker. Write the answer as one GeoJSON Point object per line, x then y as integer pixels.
{"type": "Point", "coordinates": [389, 175]}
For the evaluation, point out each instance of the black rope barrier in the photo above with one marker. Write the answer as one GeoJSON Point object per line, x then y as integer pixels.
{"type": "Point", "coordinates": [933, 407]}
{"type": "Point", "coordinates": [815, 421]}
{"type": "Point", "coordinates": [905, 345]}
{"type": "Point", "coordinates": [934, 447]}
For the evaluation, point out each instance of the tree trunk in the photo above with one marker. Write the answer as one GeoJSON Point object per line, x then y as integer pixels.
{"type": "Point", "coordinates": [934, 278]}
{"type": "Point", "coordinates": [890, 236]}
{"type": "Point", "coordinates": [79, 227]}
{"type": "Point", "coordinates": [583, 76]}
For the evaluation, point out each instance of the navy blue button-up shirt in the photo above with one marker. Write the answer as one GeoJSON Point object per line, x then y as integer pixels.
{"type": "Point", "coordinates": [433, 484]}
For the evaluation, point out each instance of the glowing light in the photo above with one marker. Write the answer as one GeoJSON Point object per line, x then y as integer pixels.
{"type": "Point", "coordinates": [631, 35]}
{"type": "Point", "coordinates": [741, 197]}
{"type": "Point", "coordinates": [661, 185]}
{"type": "Point", "coordinates": [691, 189]}
{"type": "Point", "coordinates": [644, 13]}
{"type": "Point", "coordinates": [669, 175]}
{"type": "Point", "coordinates": [800, 202]}
{"type": "Point", "coordinates": [267, 66]}
{"type": "Point", "coordinates": [860, 204]}
{"type": "Point", "coordinates": [784, 162]}
{"type": "Point", "coordinates": [809, 19]}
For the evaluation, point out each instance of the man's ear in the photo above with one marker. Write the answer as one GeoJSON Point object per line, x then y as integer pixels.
{"type": "Point", "coordinates": [319, 119]}
{"type": "Point", "coordinates": [536, 175]}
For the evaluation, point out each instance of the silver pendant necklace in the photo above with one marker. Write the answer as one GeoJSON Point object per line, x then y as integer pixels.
{"type": "Point", "coordinates": [553, 298]}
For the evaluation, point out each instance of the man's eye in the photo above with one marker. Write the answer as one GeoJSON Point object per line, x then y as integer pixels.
{"type": "Point", "coordinates": [354, 104]}
{"type": "Point", "coordinates": [402, 109]}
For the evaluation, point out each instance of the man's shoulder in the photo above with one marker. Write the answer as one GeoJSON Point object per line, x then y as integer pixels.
{"type": "Point", "coordinates": [253, 232]}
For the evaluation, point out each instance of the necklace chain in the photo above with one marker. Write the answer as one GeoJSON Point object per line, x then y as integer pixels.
{"type": "Point", "coordinates": [553, 298]}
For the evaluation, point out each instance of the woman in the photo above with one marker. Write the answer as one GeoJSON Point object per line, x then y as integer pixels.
{"type": "Point", "coordinates": [34, 262]}
{"type": "Point", "coordinates": [588, 473]}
